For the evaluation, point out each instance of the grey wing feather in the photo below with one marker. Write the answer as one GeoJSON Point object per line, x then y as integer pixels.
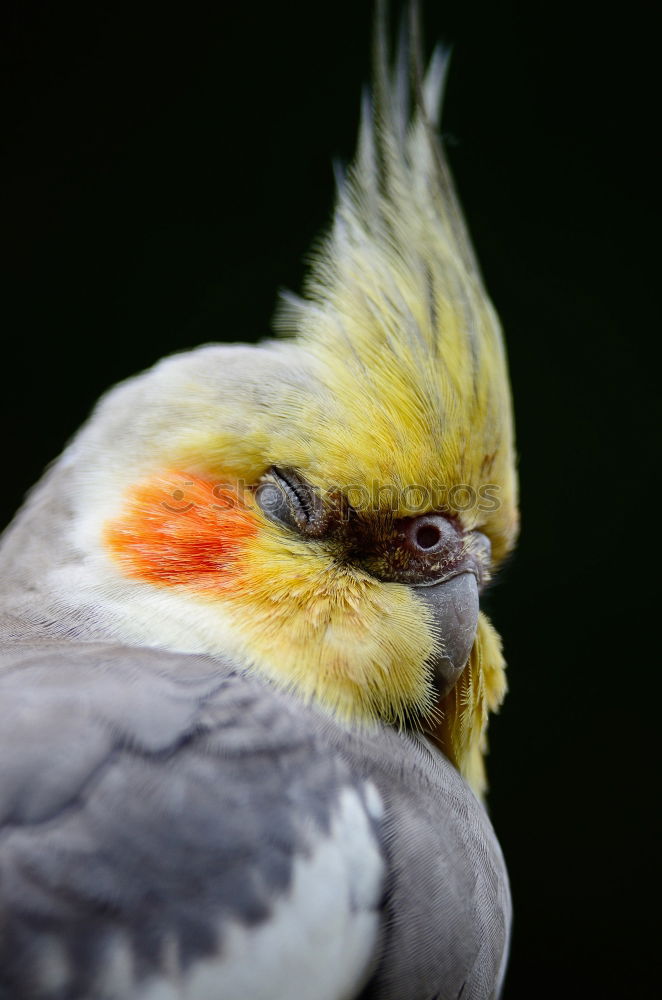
{"type": "Point", "coordinates": [164, 799]}
{"type": "Point", "coordinates": [147, 796]}
{"type": "Point", "coordinates": [447, 910]}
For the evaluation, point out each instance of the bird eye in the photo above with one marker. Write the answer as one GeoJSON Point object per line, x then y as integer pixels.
{"type": "Point", "coordinates": [273, 502]}
{"type": "Point", "coordinates": [285, 497]}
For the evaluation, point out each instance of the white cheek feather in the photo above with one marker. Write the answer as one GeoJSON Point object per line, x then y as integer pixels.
{"type": "Point", "coordinates": [167, 618]}
{"type": "Point", "coordinates": [318, 942]}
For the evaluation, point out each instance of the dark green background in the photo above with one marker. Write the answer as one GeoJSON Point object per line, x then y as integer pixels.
{"type": "Point", "coordinates": [165, 173]}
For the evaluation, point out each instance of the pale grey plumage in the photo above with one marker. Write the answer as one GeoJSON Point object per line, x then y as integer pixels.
{"type": "Point", "coordinates": [155, 797]}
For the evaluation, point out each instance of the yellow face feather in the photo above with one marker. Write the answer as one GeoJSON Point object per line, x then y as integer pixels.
{"type": "Point", "coordinates": [319, 626]}
{"type": "Point", "coordinates": [408, 411]}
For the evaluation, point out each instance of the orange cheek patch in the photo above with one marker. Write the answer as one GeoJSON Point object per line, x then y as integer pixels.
{"type": "Point", "coordinates": [180, 529]}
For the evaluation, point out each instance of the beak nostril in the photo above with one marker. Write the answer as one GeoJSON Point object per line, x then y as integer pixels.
{"type": "Point", "coordinates": [427, 536]}
{"type": "Point", "coordinates": [427, 548]}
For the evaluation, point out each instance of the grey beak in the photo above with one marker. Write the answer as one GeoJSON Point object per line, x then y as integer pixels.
{"type": "Point", "coordinates": [454, 606]}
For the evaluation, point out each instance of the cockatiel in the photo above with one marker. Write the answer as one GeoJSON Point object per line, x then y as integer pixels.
{"type": "Point", "coordinates": [244, 675]}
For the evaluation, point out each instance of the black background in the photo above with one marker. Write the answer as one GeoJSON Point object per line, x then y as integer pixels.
{"type": "Point", "coordinates": [165, 173]}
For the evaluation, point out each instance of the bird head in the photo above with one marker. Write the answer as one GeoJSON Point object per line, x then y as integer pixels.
{"type": "Point", "coordinates": [326, 508]}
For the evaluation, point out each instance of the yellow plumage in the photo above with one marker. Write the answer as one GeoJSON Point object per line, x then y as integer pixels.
{"type": "Point", "coordinates": [481, 688]}
{"type": "Point", "coordinates": [342, 637]}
